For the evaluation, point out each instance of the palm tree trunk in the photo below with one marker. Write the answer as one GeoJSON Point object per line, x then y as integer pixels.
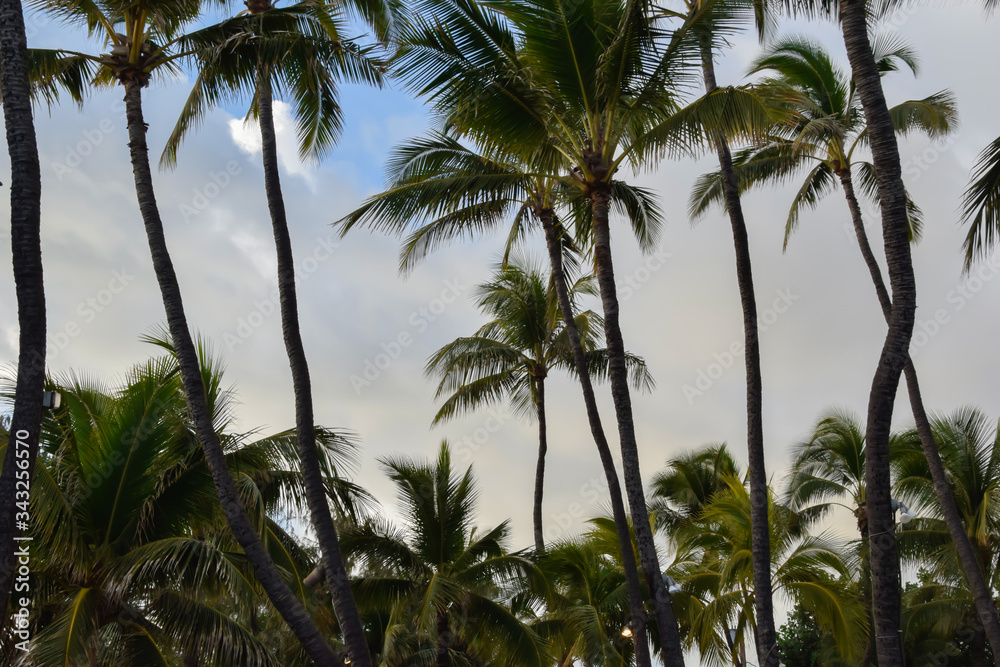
{"type": "Point", "coordinates": [540, 466]}
{"type": "Point", "coordinates": [617, 370]}
{"type": "Point", "coordinates": [636, 610]}
{"type": "Point", "coordinates": [766, 635]}
{"type": "Point", "coordinates": [971, 566]}
{"type": "Point", "coordinates": [886, 594]}
{"type": "Point", "coordinates": [322, 521]}
{"type": "Point", "coordinates": [267, 573]}
{"type": "Point", "coordinates": [26, 250]}
{"type": "Point", "coordinates": [443, 641]}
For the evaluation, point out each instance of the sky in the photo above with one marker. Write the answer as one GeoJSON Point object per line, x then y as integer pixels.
{"type": "Point", "coordinates": [368, 331]}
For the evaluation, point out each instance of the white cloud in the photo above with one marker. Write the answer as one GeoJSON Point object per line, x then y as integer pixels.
{"type": "Point", "coordinates": [246, 136]}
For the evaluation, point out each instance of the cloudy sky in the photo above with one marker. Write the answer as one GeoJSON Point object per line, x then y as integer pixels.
{"type": "Point", "coordinates": [683, 315]}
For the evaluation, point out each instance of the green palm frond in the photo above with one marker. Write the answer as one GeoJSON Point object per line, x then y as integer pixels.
{"type": "Point", "coordinates": [208, 632]}
{"type": "Point", "coordinates": [819, 182]}
{"type": "Point", "coordinates": [868, 182]}
{"type": "Point", "coordinates": [68, 637]}
{"type": "Point", "coordinates": [981, 206]}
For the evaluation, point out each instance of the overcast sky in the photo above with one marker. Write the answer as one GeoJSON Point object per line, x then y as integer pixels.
{"type": "Point", "coordinates": [819, 350]}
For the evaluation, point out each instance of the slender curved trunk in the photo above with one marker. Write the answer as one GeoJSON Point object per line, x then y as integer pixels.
{"type": "Point", "coordinates": [766, 635]}
{"type": "Point", "coordinates": [648, 560]}
{"type": "Point", "coordinates": [886, 594]}
{"type": "Point", "coordinates": [543, 447]}
{"type": "Point", "coordinates": [986, 608]}
{"type": "Point", "coordinates": [26, 250]}
{"type": "Point", "coordinates": [636, 609]}
{"type": "Point", "coordinates": [319, 510]}
{"type": "Point", "coordinates": [443, 641]}
{"type": "Point", "coordinates": [267, 573]}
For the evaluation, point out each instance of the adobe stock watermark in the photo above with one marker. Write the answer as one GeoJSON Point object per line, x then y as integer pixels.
{"type": "Point", "coordinates": [205, 194]}
{"type": "Point", "coordinates": [419, 321]}
{"type": "Point", "coordinates": [77, 153]}
{"type": "Point", "coordinates": [470, 444]}
{"type": "Point", "coordinates": [264, 309]}
{"type": "Point", "coordinates": [559, 524]}
{"type": "Point", "coordinates": [924, 330]}
{"type": "Point", "coordinates": [629, 284]}
{"type": "Point", "coordinates": [913, 169]}
{"type": "Point", "coordinates": [706, 377]}
{"type": "Point", "coordinates": [86, 312]}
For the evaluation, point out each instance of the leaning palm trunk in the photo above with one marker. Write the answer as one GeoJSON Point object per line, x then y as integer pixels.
{"type": "Point", "coordinates": [543, 447]}
{"type": "Point", "coordinates": [617, 370]}
{"type": "Point", "coordinates": [985, 607]}
{"type": "Point", "coordinates": [319, 509]}
{"type": "Point", "coordinates": [187, 358]}
{"type": "Point", "coordinates": [886, 594]}
{"type": "Point", "coordinates": [636, 610]}
{"type": "Point", "coordinates": [26, 248]}
{"type": "Point", "coordinates": [756, 470]}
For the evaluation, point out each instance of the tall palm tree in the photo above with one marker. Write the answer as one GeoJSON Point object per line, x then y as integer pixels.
{"type": "Point", "coordinates": [456, 191]}
{"type": "Point", "coordinates": [610, 102]}
{"type": "Point", "coordinates": [25, 244]}
{"type": "Point", "coordinates": [437, 578]}
{"type": "Point", "coordinates": [970, 451]}
{"type": "Point", "coordinates": [152, 41]}
{"type": "Point", "coordinates": [132, 559]}
{"type": "Point", "coordinates": [886, 601]}
{"type": "Point", "coordinates": [711, 23]}
{"type": "Point", "coordinates": [981, 206]}
{"type": "Point", "coordinates": [831, 130]}
{"type": "Point", "coordinates": [510, 357]}
{"type": "Point", "coordinates": [311, 66]}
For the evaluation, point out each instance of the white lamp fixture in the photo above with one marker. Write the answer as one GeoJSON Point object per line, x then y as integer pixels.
{"type": "Point", "coordinates": [51, 399]}
{"type": "Point", "coordinates": [905, 515]}
{"type": "Point", "coordinates": [627, 630]}
{"type": "Point", "coordinates": [672, 586]}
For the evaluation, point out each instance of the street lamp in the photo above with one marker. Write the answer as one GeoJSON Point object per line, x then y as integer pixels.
{"type": "Point", "coordinates": [905, 515]}
{"type": "Point", "coordinates": [51, 399]}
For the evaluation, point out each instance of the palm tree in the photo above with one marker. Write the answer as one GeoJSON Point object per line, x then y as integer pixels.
{"type": "Point", "coordinates": [152, 42]}
{"type": "Point", "coordinates": [714, 566]}
{"type": "Point", "coordinates": [456, 191]}
{"type": "Point", "coordinates": [711, 20]}
{"type": "Point", "coordinates": [829, 468]}
{"type": "Point", "coordinates": [981, 206]}
{"type": "Point", "coordinates": [508, 82]}
{"type": "Point", "coordinates": [511, 356]}
{"type": "Point", "coordinates": [896, 239]}
{"type": "Point", "coordinates": [437, 579]}
{"type": "Point", "coordinates": [25, 229]}
{"type": "Point", "coordinates": [831, 129]}
{"type": "Point", "coordinates": [970, 451]}
{"type": "Point", "coordinates": [586, 608]}
{"type": "Point", "coordinates": [688, 485]}
{"type": "Point", "coordinates": [311, 66]}
{"type": "Point", "coordinates": [131, 556]}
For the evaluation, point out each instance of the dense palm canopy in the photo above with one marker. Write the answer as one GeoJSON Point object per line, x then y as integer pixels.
{"type": "Point", "coordinates": [135, 564]}
{"type": "Point", "coordinates": [162, 534]}
{"type": "Point", "coordinates": [714, 566]}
